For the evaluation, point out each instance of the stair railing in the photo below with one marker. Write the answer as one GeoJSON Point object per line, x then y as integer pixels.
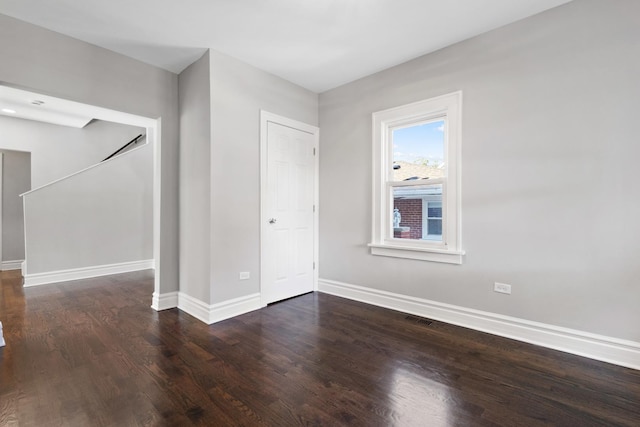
{"type": "Point", "coordinates": [125, 146]}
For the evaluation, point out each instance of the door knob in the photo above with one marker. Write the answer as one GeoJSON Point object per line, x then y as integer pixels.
{"type": "Point", "coordinates": [272, 221]}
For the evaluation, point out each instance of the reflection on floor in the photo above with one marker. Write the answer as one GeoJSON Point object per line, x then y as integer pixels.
{"type": "Point", "coordinates": [93, 353]}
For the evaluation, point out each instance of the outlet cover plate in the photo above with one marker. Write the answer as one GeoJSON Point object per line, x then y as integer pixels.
{"type": "Point", "coordinates": [502, 288]}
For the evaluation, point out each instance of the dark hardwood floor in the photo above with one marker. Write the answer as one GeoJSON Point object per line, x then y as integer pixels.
{"type": "Point", "coordinates": [93, 353]}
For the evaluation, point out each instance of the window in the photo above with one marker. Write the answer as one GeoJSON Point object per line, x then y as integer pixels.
{"type": "Point", "coordinates": [433, 220]}
{"type": "Point", "coordinates": [416, 197]}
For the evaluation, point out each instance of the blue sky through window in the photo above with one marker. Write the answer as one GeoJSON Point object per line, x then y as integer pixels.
{"type": "Point", "coordinates": [422, 144]}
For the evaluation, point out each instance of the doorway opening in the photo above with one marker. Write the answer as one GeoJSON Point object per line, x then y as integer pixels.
{"type": "Point", "coordinates": [71, 109]}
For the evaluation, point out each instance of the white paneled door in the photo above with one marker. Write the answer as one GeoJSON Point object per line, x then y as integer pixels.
{"type": "Point", "coordinates": [288, 208]}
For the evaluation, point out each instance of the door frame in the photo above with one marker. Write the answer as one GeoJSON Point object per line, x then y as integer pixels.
{"type": "Point", "coordinates": [265, 119]}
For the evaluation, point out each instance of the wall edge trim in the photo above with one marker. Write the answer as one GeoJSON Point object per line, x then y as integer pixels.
{"type": "Point", "coordinates": [212, 313]}
{"type": "Point", "coordinates": [12, 265]}
{"type": "Point", "coordinates": [45, 278]}
{"type": "Point", "coordinates": [164, 301]}
{"type": "Point", "coordinates": [598, 347]}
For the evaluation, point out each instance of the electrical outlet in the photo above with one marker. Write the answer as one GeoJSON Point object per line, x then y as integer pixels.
{"type": "Point", "coordinates": [245, 275]}
{"type": "Point", "coordinates": [502, 288]}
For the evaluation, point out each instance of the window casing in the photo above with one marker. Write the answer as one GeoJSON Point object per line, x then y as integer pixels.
{"type": "Point", "coordinates": [439, 239]}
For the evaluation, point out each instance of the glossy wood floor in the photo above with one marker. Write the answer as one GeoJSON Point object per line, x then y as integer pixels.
{"type": "Point", "coordinates": [92, 353]}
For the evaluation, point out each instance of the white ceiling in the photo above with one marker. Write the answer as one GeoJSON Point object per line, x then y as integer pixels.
{"type": "Point", "coordinates": [318, 44]}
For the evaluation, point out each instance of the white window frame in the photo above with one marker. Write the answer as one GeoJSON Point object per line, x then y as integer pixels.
{"type": "Point", "coordinates": [449, 250]}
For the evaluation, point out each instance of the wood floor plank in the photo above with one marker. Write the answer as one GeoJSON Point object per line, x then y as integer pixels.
{"type": "Point", "coordinates": [92, 353]}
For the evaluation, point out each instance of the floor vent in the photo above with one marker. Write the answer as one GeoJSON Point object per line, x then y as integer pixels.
{"type": "Point", "coordinates": [420, 320]}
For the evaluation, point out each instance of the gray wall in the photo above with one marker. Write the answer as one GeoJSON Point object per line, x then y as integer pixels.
{"type": "Point", "coordinates": [100, 216]}
{"type": "Point", "coordinates": [220, 170]}
{"type": "Point", "coordinates": [238, 93]}
{"type": "Point", "coordinates": [16, 179]}
{"type": "Point", "coordinates": [47, 62]}
{"type": "Point", "coordinates": [195, 179]}
{"type": "Point", "coordinates": [58, 151]}
{"type": "Point", "coordinates": [549, 169]}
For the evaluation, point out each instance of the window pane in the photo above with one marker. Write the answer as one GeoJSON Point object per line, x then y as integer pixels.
{"type": "Point", "coordinates": [434, 210]}
{"type": "Point", "coordinates": [435, 228]}
{"type": "Point", "coordinates": [409, 221]}
{"type": "Point", "coordinates": [418, 151]}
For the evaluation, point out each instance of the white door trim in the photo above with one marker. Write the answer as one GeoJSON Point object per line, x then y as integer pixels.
{"type": "Point", "coordinates": [265, 118]}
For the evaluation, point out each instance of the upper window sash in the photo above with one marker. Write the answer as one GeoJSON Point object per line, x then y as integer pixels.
{"type": "Point", "coordinates": [414, 122]}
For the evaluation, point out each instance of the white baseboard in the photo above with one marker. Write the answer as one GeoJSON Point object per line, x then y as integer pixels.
{"type": "Point", "coordinates": [11, 265]}
{"type": "Point", "coordinates": [85, 272]}
{"type": "Point", "coordinates": [598, 347]}
{"type": "Point", "coordinates": [166, 301]}
{"type": "Point", "coordinates": [216, 312]}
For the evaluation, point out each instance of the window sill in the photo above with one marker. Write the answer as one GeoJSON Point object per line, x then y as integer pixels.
{"type": "Point", "coordinates": [422, 254]}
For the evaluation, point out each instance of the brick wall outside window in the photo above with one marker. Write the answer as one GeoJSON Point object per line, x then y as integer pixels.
{"type": "Point", "coordinates": [411, 215]}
